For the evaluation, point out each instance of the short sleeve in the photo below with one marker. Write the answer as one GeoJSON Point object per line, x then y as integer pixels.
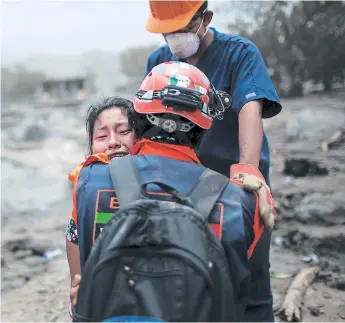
{"type": "Point", "coordinates": [250, 81]}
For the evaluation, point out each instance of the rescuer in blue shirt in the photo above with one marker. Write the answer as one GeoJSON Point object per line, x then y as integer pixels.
{"type": "Point", "coordinates": [233, 64]}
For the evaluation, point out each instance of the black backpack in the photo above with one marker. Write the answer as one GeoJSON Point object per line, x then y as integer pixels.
{"type": "Point", "coordinates": [157, 259]}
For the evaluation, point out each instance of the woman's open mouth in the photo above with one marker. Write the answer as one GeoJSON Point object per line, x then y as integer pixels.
{"type": "Point", "coordinates": [117, 155]}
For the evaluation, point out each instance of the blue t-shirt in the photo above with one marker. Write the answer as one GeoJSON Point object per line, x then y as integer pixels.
{"type": "Point", "coordinates": [233, 64]}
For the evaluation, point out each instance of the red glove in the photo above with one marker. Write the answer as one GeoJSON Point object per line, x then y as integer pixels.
{"type": "Point", "coordinates": [254, 181]}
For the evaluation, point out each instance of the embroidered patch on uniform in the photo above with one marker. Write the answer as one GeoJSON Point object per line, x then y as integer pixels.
{"type": "Point", "coordinates": [106, 207]}
{"type": "Point", "coordinates": [250, 95]}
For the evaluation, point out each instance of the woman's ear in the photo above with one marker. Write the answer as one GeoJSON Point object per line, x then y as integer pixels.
{"type": "Point", "coordinates": [208, 17]}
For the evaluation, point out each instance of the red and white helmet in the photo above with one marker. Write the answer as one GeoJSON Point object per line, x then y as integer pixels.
{"type": "Point", "coordinates": [179, 89]}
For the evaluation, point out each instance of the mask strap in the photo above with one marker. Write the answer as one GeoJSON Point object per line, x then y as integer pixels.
{"type": "Point", "coordinates": [202, 20]}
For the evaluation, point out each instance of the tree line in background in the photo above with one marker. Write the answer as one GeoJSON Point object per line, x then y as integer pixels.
{"type": "Point", "coordinates": [300, 41]}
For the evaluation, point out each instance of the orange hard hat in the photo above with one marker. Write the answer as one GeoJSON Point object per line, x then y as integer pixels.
{"type": "Point", "coordinates": [176, 88]}
{"type": "Point", "coordinates": [169, 16]}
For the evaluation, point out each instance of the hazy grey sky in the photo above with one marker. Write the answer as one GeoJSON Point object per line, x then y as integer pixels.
{"type": "Point", "coordinates": [70, 27]}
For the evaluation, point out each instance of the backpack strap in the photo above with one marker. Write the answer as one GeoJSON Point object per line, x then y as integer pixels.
{"type": "Point", "coordinates": [206, 191]}
{"type": "Point", "coordinates": [125, 180]}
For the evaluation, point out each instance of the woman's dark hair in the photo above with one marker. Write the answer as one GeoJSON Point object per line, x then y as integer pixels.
{"type": "Point", "coordinates": [95, 110]}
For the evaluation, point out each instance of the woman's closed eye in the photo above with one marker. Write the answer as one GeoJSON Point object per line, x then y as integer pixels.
{"type": "Point", "coordinates": [101, 137]}
{"type": "Point", "coordinates": [125, 131]}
